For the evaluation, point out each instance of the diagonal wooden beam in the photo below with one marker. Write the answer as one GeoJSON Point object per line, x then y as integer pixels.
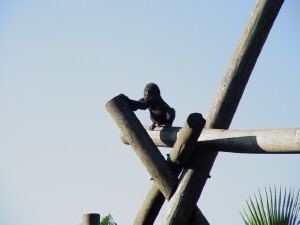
{"type": "Point", "coordinates": [223, 109]}
{"type": "Point", "coordinates": [144, 147]}
{"type": "Point", "coordinates": [268, 141]}
{"type": "Point", "coordinates": [182, 149]}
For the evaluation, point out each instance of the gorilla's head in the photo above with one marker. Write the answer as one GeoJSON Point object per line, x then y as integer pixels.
{"type": "Point", "coordinates": [151, 89]}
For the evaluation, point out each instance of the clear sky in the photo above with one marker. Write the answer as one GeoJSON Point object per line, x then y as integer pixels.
{"type": "Point", "coordinates": [60, 61]}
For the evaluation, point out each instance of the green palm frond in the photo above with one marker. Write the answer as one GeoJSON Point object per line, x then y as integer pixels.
{"type": "Point", "coordinates": [278, 208]}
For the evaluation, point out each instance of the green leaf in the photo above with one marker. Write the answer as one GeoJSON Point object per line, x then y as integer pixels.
{"type": "Point", "coordinates": [107, 220]}
{"type": "Point", "coordinates": [278, 208]}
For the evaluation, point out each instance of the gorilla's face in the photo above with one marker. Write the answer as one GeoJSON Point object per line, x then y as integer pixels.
{"type": "Point", "coordinates": [151, 90]}
{"type": "Point", "coordinates": [148, 93]}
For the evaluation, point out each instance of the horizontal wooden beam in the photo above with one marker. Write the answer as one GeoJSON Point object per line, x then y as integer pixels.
{"type": "Point", "coordinates": [269, 141]}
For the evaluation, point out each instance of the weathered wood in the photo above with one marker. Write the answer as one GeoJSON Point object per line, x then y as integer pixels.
{"type": "Point", "coordinates": [187, 139]}
{"type": "Point", "coordinates": [144, 147]}
{"type": "Point", "coordinates": [150, 207]}
{"type": "Point", "coordinates": [146, 150]}
{"type": "Point", "coordinates": [91, 219]}
{"type": "Point", "coordinates": [238, 141]}
{"type": "Point", "coordinates": [223, 109]}
{"type": "Point", "coordinates": [180, 153]}
{"type": "Point", "coordinates": [161, 136]}
{"type": "Point", "coordinates": [275, 141]}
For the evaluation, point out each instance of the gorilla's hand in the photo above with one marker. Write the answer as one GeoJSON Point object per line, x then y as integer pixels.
{"type": "Point", "coordinates": [124, 97]}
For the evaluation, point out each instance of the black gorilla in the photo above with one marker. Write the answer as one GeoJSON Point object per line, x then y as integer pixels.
{"type": "Point", "coordinates": [161, 113]}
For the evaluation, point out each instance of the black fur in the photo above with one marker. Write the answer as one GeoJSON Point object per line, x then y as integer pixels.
{"type": "Point", "coordinates": [161, 114]}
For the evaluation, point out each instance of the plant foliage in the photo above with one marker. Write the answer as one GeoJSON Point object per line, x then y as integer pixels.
{"type": "Point", "coordinates": [108, 220]}
{"type": "Point", "coordinates": [278, 208]}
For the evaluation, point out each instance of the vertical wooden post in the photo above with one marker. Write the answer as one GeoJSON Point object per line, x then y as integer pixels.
{"type": "Point", "coordinates": [222, 111]}
{"type": "Point", "coordinates": [91, 219]}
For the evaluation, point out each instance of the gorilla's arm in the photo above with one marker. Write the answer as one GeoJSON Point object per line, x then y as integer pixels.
{"type": "Point", "coordinates": [141, 104]}
{"type": "Point", "coordinates": [135, 105]}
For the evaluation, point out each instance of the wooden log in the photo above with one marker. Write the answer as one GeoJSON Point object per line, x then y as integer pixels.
{"type": "Point", "coordinates": [187, 139]}
{"type": "Point", "coordinates": [144, 147]}
{"type": "Point", "coordinates": [273, 141]}
{"type": "Point", "coordinates": [180, 153]}
{"type": "Point", "coordinates": [223, 109]}
{"type": "Point", "coordinates": [150, 207]}
{"type": "Point", "coordinates": [161, 136]}
{"type": "Point", "coordinates": [269, 141]}
{"type": "Point", "coordinates": [91, 219]}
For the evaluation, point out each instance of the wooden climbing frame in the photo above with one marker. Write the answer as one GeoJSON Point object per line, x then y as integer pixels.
{"type": "Point", "coordinates": [192, 156]}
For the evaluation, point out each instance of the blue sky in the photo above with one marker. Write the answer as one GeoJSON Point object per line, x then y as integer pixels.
{"type": "Point", "coordinates": [61, 61]}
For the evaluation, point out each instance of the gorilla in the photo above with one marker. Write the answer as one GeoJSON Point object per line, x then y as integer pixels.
{"type": "Point", "coordinates": [161, 114]}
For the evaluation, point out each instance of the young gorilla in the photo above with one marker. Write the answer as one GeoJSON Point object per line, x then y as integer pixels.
{"type": "Point", "coordinates": [161, 113]}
